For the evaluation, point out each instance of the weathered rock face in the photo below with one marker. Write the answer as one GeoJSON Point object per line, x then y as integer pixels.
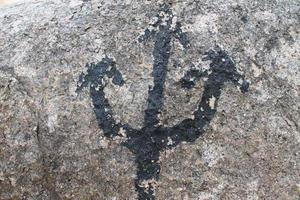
{"type": "Point", "coordinates": [206, 138]}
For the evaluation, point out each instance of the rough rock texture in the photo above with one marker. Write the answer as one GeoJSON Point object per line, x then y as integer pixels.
{"type": "Point", "coordinates": [51, 146]}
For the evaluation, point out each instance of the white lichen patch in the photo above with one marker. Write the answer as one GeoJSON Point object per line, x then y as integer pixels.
{"type": "Point", "coordinates": [52, 111]}
{"type": "Point", "coordinates": [265, 15]}
{"type": "Point", "coordinates": [122, 132]}
{"type": "Point", "coordinates": [170, 141]}
{"type": "Point", "coordinates": [75, 3]}
{"type": "Point", "coordinates": [201, 64]}
{"type": "Point", "coordinates": [151, 182]}
{"type": "Point", "coordinates": [257, 71]}
{"type": "Point", "coordinates": [174, 21]}
{"type": "Point", "coordinates": [261, 92]}
{"type": "Point", "coordinates": [103, 142]}
{"type": "Point", "coordinates": [211, 154]}
{"type": "Point", "coordinates": [206, 23]}
{"type": "Point", "coordinates": [252, 188]}
{"type": "Point", "coordinates": [212, 102]}
{"type": "Point", "coordinates": [288, 62]}
{"type": "Point", "coordinates": [21, 54]}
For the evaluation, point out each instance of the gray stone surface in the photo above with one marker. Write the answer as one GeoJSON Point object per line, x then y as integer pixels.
{"type": "Point", "coordinates": [52, 148]}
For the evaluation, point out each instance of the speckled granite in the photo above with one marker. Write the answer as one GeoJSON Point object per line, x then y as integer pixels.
{"type": "Point", "coordinates": [178, 61]}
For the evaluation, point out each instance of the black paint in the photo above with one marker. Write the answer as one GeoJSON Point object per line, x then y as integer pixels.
{"type": "Point", "coordinates": [147, 143]}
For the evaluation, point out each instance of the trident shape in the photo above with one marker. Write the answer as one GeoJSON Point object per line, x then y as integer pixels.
{"type": "Point", "coordinates": [149, 141]}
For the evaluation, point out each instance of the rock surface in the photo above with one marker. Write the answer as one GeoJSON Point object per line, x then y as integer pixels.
{"type": "Point", "coordinates": [51, 146]}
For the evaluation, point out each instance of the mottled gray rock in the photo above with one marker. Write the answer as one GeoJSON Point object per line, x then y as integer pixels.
{"type": "Point", "coordinates": [51, 146]}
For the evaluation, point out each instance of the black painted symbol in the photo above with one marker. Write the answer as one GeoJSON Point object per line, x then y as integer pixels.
{"type": "Point", "coordinates": [147, 142]}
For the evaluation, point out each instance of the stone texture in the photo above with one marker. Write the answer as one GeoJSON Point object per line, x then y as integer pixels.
{"type": "Point", "coordinates": [52, 148]}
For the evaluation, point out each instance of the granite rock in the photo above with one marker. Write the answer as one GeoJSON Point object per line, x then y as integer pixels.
{"type": "Point", "coordinates": [51, 144]}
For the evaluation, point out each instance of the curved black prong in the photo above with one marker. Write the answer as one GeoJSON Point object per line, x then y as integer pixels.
{"type": "Point", "coordinates": [222, 70]}
{"type": "Point", "coordinates": [223, 64]}
{"type": "Point", "coordinates": [102, 109]}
